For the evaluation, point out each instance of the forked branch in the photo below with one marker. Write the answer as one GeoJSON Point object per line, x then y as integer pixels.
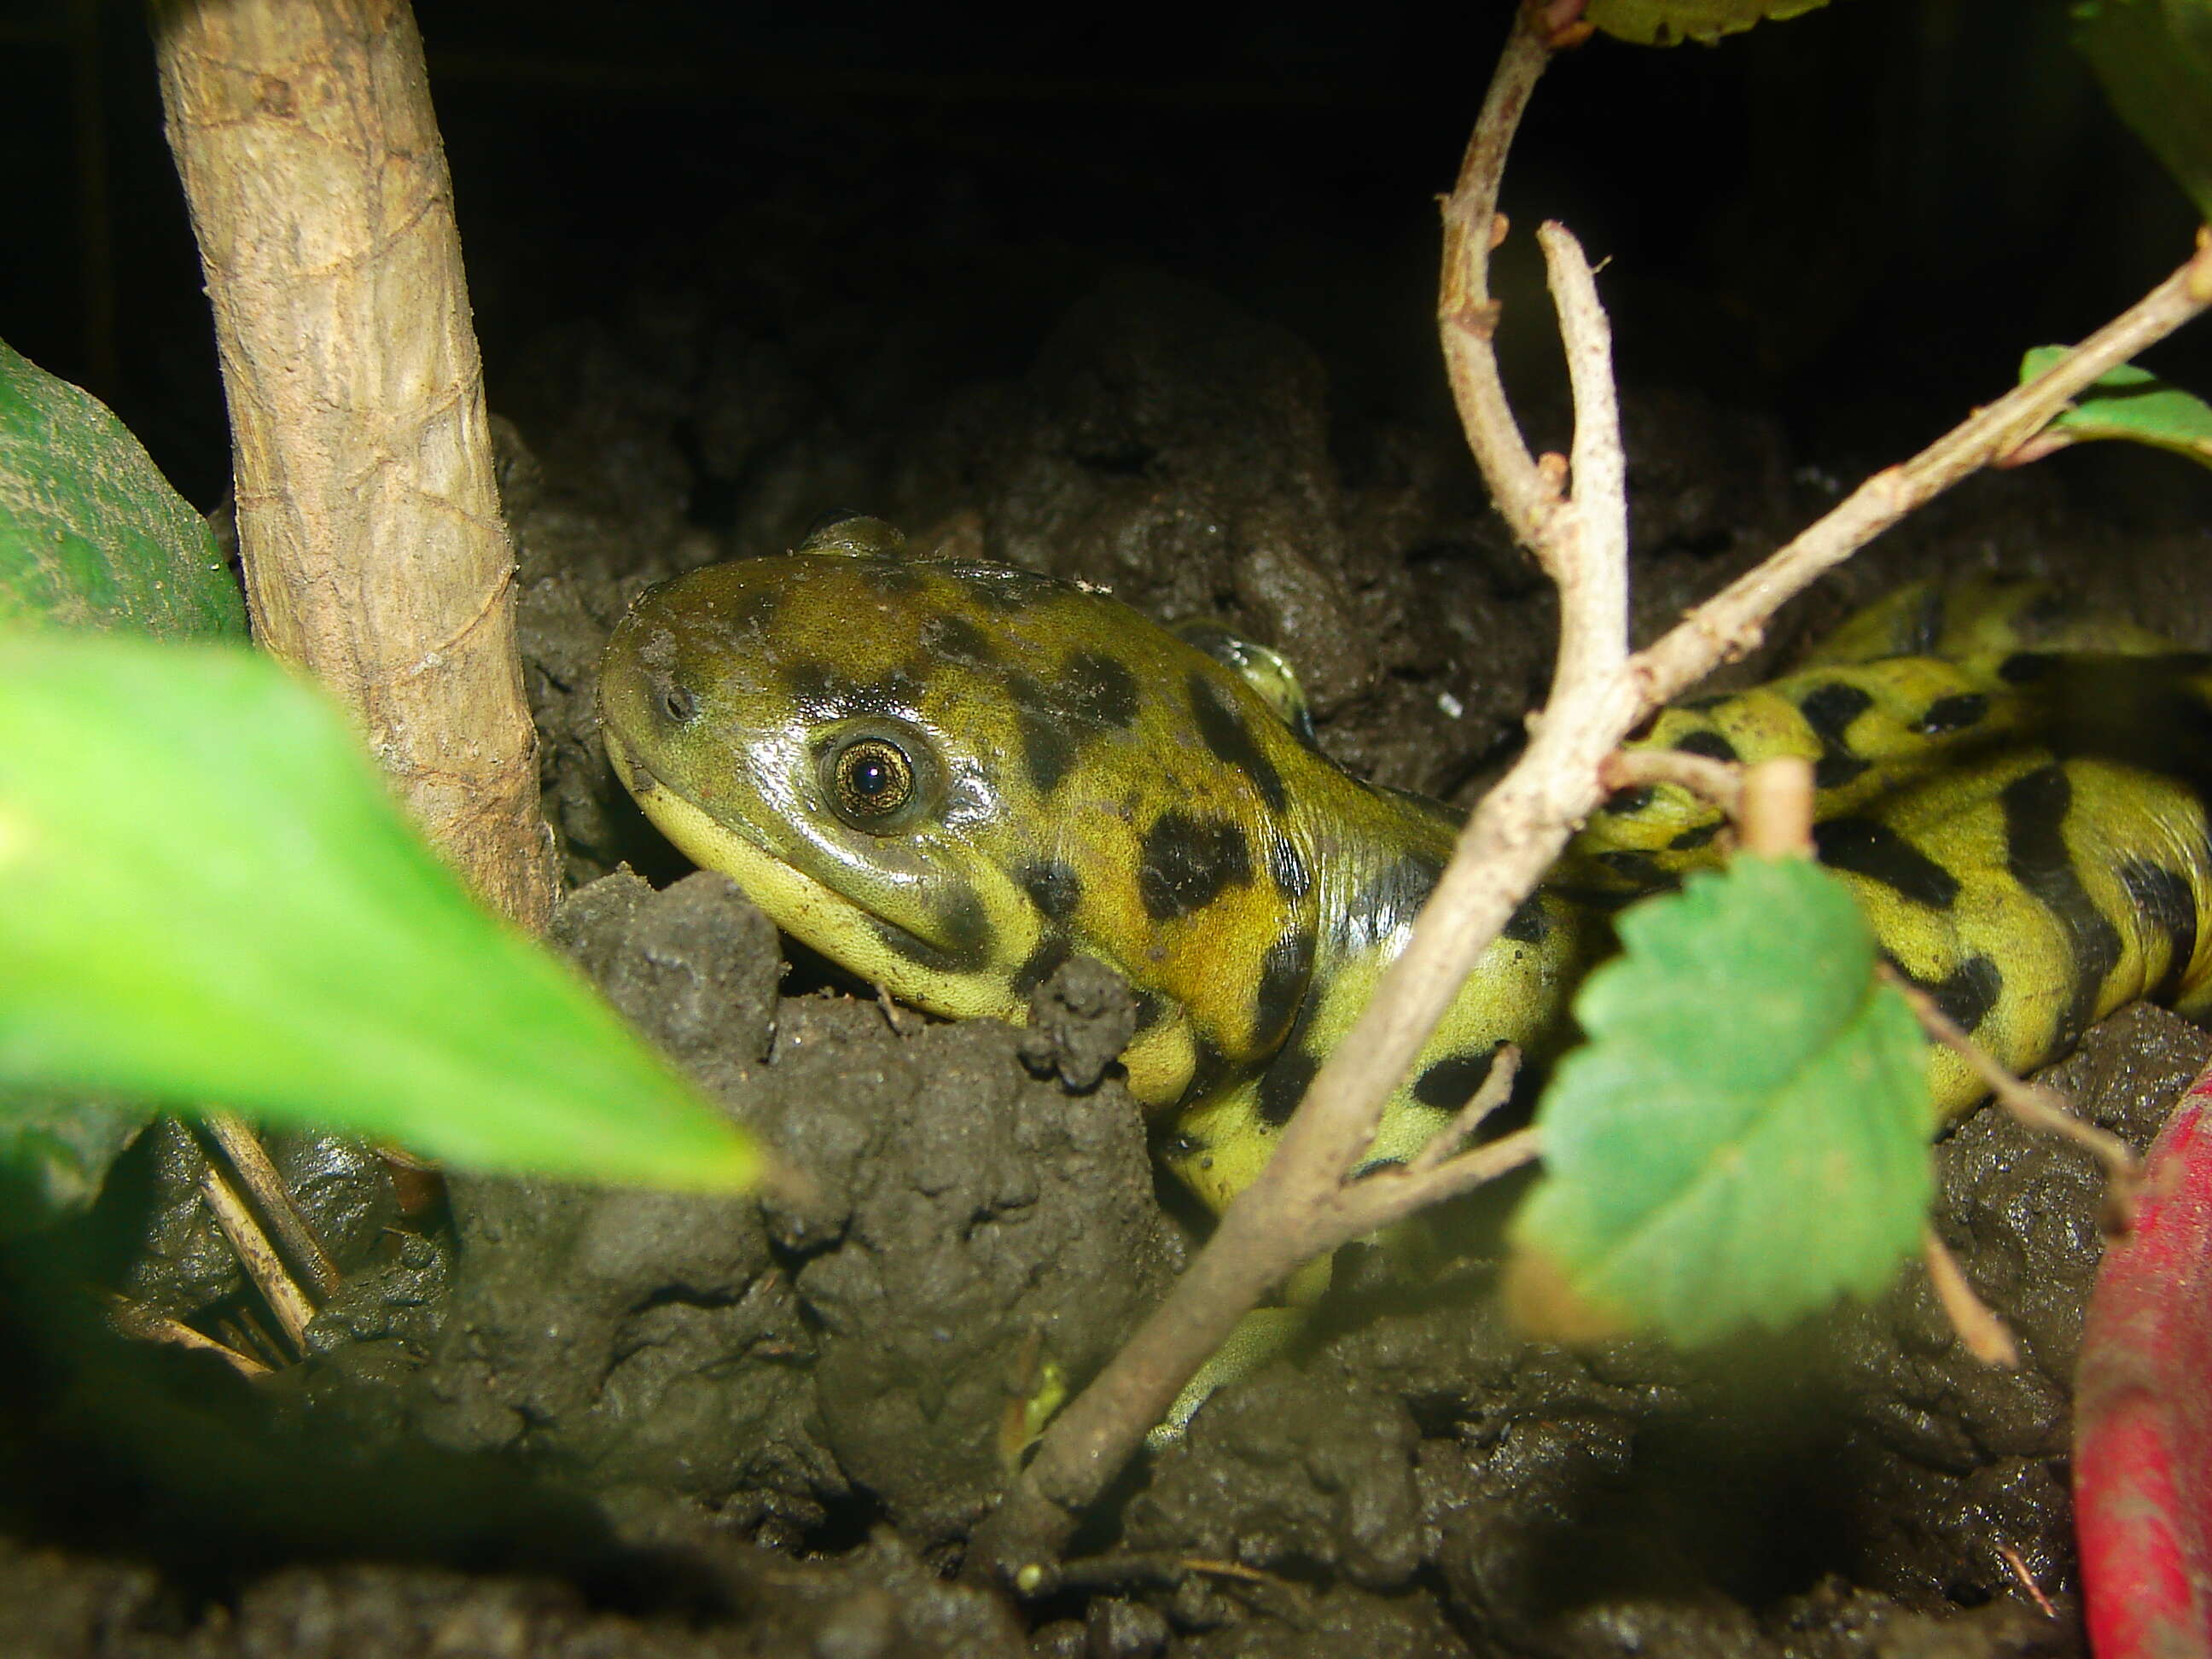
{"type": "Point", "coordinates": [1305, 1202]}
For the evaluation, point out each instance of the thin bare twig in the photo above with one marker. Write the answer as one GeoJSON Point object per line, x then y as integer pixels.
{"type": "Point", "coordinates": [1733, 620]}
{"type": "Point", "coordinates": [1718, 781]}
{"type": "Point", "coordinates": [2011, 1559]}
{"type": "Point", "coordinates": [1986, 1336]}
{"type": "Point", "coordinates": [1467, 316]}
{"type": "Point", "coordinates": [143, 1324]}
{"type": "Point", "coordinates": [277, 1287]}
{"type": "Point", "coordinates": [1497, 1089]}
{"type": "Point", "coordinates": [274, 1200]}
{"type": "Point", "coordinates": [2033, 1104]}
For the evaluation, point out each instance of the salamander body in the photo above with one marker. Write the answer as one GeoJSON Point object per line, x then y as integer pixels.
{"type": "Point", "coordinates": [951, 777]}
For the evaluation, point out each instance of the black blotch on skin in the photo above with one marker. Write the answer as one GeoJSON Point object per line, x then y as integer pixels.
{"type": "Point", "coordinates": [1053, 887]}
{"type": "Point", "coordinates": [2024, 667]}
{"type": "Point", "coordinates": [1622, 802]}
{"type": "Point", "coordinates": [814, 686]}
{"type": "Point", "coordinates": [1635, 863]}
{"type": "Point", "coordinates": [1283, 1085]}
{"type": "Point", "coordinates": [1868, 847]}
{"type": "Point", "coordinates": [1102, 689]}
{"type": "Point", "coordinates": [825, 693]}
{"type": "Point", "coordinates": [1449, 1083]}
{"type": "Point", "coordinates": [2165, 900]}
{"type": "Point", "coordinates": [1048, 750]}
{"type": "Point", "coordinates": [2035, 806]}
{"type": "Point", "coordinates": [1967, 993]}
{"type": "Point", "coordinates": [1697, 835]}
{"type": "Point", "coordinates": [1226, 733]}
{"type": "Point", "coordinates": [1528, 924]}
{"type": "Point", "coordinates": [1042, 964]}
{"type": "Point", "coordinates": [1292, 880]}
{"type": "Point", "coordinates": [1150, 1007]}
{"type": "Point", "coordinates": [1829, 710]}
{"type": "Point", "coordinates": [959, 639]}
{"type": "Point", "coordinates": [1283, 972]}
{"type": "Point", "coordinates": [1954, 713]}
{"type": "Point", "coordinates": [1399, 891]}
{"type": "Point", "coordinates": [1711, 744]}
{"type": "Point", "coordinates": [1189, 862]}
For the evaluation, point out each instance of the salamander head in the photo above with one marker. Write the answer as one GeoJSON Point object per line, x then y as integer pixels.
{"type": "Point", "coordinates": [949, 777]}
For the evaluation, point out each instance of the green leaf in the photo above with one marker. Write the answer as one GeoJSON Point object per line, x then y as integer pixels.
{"type": "Point", "coordinates": [1745, 1136]}
{"type": "Point", "coordinates": [207, 898]}
{"type": "Point", "coordinates": [1670, 22]}
{"type": "Point", "coordinates": [2130, 403]}
{"type": "Point", "coordinates": [2154, 58]}
{"type": "Point", "coordinates": [91, 535]}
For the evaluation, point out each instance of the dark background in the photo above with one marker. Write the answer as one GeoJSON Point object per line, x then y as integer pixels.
{"type": "Point", "coordinates": [1852, 222]}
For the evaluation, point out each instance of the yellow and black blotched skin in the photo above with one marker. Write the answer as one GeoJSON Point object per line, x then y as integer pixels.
{"type": "Point", "coordinates": [951, 777]}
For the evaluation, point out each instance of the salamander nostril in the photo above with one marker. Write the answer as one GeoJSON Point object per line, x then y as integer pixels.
{"type": "Point", "coordinates": [679, 704]}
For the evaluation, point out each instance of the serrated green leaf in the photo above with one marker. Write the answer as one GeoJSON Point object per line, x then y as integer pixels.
{"type": "Point", "coordinates": [1670, 22]}
{"type": "Point", "coordinates": [207, 898]}
{"type": "Point", "coordinates": [2154, 59]}
{"type": "Point", "coordinates": [91, 535]}
{"type": "Point", "coordinates": [1745, 1136]}
{"type": "Point", "coordinates": [2133, 404]}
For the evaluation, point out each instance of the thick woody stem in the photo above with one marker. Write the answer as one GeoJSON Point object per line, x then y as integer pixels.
{"type": "Point", "coordinates": [376, 555]}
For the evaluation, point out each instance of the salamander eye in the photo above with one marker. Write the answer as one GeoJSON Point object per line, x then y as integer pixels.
{"type": "Point", "coordinates": [872, 779]}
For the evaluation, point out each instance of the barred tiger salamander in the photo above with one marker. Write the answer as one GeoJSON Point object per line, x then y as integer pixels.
{"type": "Point", "coordinates": [951, 777]}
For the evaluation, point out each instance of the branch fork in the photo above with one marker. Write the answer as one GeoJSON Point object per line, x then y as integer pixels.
{"type": "Point", "coordinates": [1573, 519]}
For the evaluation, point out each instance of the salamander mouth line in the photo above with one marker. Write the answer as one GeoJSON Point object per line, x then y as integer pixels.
{"type": "Point", "coordinates": [738, 848]}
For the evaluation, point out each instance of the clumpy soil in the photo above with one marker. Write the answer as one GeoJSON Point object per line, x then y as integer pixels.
{"type": "Point", "coordinates": [548, 1421]}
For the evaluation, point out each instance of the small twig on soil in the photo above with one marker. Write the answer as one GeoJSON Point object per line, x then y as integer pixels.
{"type": "Point", "coordinates": [2032, 1104]}
{"type": "Point", "coordinates": [892, 1015]}
{"type": "Point", "coordinates": [274, 1200]}
{"type": "Point", "coordinates": [2011, 1559]}
{"type": "Point", "coordinates": [1598, 695]}
{"type": "Point", "coordinates": [258, 1257]}
{"type": "Point", "coordinates": [1718, 781]}
{"type": "Point", "coordinates": [1985, 1334]}
{"type": "Point", "coordinates": [145, 1325]}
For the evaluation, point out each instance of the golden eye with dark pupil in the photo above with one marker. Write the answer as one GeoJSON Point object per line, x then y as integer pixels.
{"type": "Point", "coordinates": [874, 779]}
